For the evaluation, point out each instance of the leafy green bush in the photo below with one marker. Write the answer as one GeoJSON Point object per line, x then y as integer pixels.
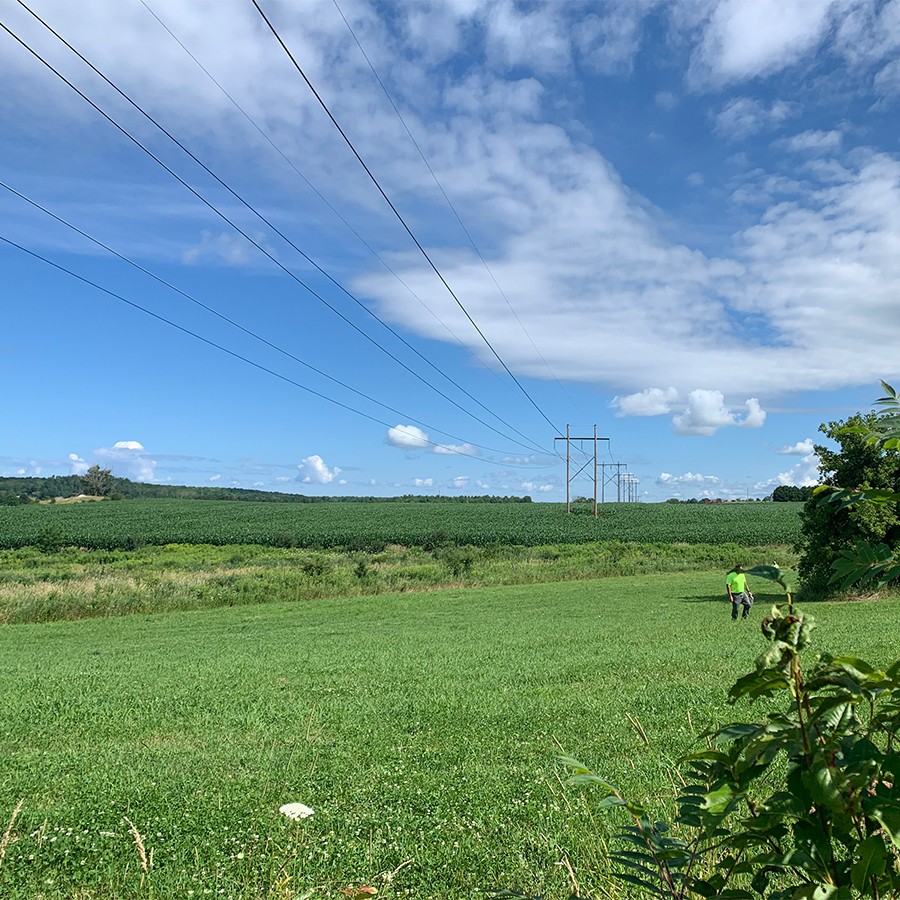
{"type": "Point", "coordinates": [803, 803]}
{"type": "Point", "coordinates": [828, 529]}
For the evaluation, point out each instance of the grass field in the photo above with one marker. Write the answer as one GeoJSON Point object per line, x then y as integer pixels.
{"type": "Point", "coordinates": [422, 728]}
{"type": "Point", "coordinates": [371, 526]}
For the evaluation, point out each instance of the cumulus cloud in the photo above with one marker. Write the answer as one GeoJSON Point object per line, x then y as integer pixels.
{"type": "Point", "coordinates": [459, 482]}
{"type": "Point", "coordinates": [649, 402]}
{"type": "Point", "coordinates": [423, 482]}
{"type": "Point", "coordinates": [407, 437]}
{"type": "Point", "coordinates": [77, 465]}
{"type": "Point", "coordinates": [312, 470]}
{"type": "Point", "coordinates": [801, 448]}
{"type": "Point", "coordinates": [742, 40]}
{"type": "Point", "coordinates": [756, 415]}
{"type": "Point", "coordinates": [127, 459]}
{"type": "Point", "coordinates": [692, 478]}
{"type": "Point", "coordinates": [534, 486]}
{"type": "Point", "coordinates": [704, 415]}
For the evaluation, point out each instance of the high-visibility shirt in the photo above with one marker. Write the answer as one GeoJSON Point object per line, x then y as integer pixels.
{"type": "Point", "coordinates": [737, 581]}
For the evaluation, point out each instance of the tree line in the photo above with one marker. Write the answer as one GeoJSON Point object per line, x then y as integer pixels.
{"type": "Point", "coordinates": [99, 482]}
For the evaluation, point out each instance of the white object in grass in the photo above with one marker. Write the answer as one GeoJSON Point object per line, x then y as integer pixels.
{"type": "Point", "coordinates": [296, 810]}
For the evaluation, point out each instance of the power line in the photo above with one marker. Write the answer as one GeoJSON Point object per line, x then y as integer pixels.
{"type": "Point", "coordinates": [396, 212]}
{"type": "Point", "coordinates": [449, 202]}
{"type": "Point", "coordinates": [237, 325]}
{"type": "Point", "coordinates": [246, 236]}
{"type": "Point", "coordinates": [302, 177]}
{"type": "Point", "coordinates": [223, 349]}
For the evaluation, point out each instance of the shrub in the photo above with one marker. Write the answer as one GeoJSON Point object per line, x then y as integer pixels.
{"type": "Point", "coordinates": [802, 804]}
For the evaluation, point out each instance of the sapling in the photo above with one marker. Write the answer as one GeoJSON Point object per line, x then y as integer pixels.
{"type": "Point", "coordinates": [803, 803]}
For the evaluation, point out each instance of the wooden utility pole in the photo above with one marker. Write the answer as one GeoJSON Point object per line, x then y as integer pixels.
{"type": "Point", "coordinates": [569, 477]}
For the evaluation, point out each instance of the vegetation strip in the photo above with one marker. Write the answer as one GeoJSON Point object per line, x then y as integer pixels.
{"type": "Point", "coordinates": [127, 524]}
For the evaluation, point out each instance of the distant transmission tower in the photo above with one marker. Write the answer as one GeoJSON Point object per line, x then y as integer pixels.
{"type": "Point", "coordinates": [569, 477]}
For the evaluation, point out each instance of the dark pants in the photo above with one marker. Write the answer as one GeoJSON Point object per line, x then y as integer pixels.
{"type": "Point", "coordinates": [743, 600]}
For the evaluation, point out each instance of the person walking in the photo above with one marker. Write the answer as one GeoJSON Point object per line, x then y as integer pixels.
{"type": "Point", "coordinates": [738, 594]}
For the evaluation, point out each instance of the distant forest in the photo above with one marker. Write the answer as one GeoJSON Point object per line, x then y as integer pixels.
{"type": "Point", "coordinates": [28, 490]}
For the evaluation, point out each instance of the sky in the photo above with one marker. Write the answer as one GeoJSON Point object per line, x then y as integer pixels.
{"type": "Point", "coordinates": [340, 247]}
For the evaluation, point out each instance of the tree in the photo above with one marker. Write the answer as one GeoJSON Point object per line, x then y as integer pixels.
{"type": "Point", "coordinates": [788, 493]}
{"type": "Point", "coordinates": [834, 522]}
{"type": "Point", "coordinates": [97, 482]}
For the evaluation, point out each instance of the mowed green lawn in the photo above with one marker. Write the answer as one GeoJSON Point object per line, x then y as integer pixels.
{"type": "Point", "coordinates": [421, 728]}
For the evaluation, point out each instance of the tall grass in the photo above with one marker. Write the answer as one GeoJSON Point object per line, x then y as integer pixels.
{"type": "Point", "coordinates": [38, 586]}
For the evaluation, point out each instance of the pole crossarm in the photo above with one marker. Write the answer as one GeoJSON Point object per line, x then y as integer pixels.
{"type": "Point", "coordinates": [569, 477]}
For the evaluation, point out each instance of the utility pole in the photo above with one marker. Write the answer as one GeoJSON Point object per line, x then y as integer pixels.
{"type": "Point", "coordinates": [569, 477]}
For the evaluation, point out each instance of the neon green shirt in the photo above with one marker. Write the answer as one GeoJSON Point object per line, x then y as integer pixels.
{"type": "Point", "coordinates": [737, 581]}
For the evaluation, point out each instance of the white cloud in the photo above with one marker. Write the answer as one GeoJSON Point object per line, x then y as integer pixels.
{"type": "Point", "coordinates": [127, 459]}
{"type": "Point", "coordinates": [407, 437]}
{"type": "Point", "coordinates": [536, 487]}
{"type": "Point", "coordinates": [804, 474]}
{"type": "Point", "coordinates": [649, 402]}
{"type": "Point", "coordinates": [815, 142]}
{"type": "Point", "coordinates": [215, 477]}
{"type": "Point", "coordinates": [666, 100]}
{"type": "Point", "coordinates": [744, 116]}
{"type": "Point", "coordinates": [459, 482]}
{"type": "Point", "coordinates": [423, 482]}
{"type": "Point", "coordinates": [801, 448]}
{"type": "Point", "coordinates": [887, 82]}
{"type": "Point", "coordinates": [704, 415]}
{"type": "Point", "coordinates": [756, 415]}
{"type": "Point", "coordinates": [817, 267]}
{"type": "Point", "coordinates": [77, 465]}
{"type": "Point", "coordinates": [688, 478]}
{"type": "Point", "coordinates": [230, 249]}
{"type": "Point", "coordinates": [459, 449]}
{"type": "Point", "coordinates": [745, 39]}
{"type": "Point", "coordinates": [312, 470]}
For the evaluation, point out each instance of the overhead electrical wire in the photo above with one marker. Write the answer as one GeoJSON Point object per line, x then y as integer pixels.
{"type": "Point", "coordinates": [449, 202]}
{"type": "Point", "coordinates": [266, 137]}
{"type": "Point", "coordinates": [397, 213]}
{"type": "Point", "coordinates": [225, 350]}
{"type": "Point", "coordinates": [249, 332]}
{"type": "Point", "coordinates": [246, 236]}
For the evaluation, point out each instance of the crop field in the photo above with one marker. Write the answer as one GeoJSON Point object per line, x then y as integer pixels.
{"type": "Point", "coordinates": [148, 756]}
{"type": "Point", "coordinates": [131, 523]}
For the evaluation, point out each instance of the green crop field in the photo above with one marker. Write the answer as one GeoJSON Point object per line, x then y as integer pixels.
{"type": "Point", "coordinates": [123, 524]}
{"type": "Point", "coordinates": [421, 728]}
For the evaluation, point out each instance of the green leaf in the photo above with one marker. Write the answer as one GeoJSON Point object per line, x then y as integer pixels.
{"type": "Point", "coordinates": [758, 684]}
{"type": "Point", "coordinates": [718, 801]}
{"type": "Point", "coordinates": [869, 864]}
{"type": "Point", "coordinates": [821, 892]}
{"type": "Point", "coordinates": [737, 730]}
{"type": "Point", "coordinates": [823, 785]}
{"type": "Point", "coordinates": [888, 817]}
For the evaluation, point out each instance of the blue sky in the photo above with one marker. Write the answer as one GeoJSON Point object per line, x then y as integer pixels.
{"type": "Point", "coordinates": [679, 222]}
